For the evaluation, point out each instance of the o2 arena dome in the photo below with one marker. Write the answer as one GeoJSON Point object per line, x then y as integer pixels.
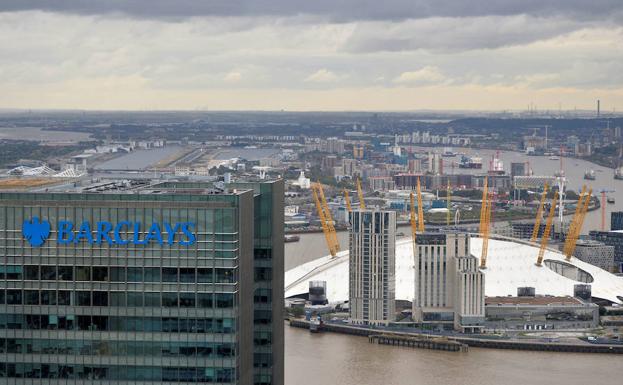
{"type": "Point", "coordinates": [511, 263]}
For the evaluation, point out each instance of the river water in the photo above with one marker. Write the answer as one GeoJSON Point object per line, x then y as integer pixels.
{"type": "Point", "coordinates": [328, 358]}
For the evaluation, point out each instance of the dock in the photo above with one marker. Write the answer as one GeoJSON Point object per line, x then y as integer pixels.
{"type": "Point", "coordinates": [425, 341]}
{"type": "Point", "coordinates": [418, 342]}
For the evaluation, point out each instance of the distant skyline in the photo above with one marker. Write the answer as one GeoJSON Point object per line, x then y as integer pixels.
{"type": "Point", "coordinates": [311, 56]}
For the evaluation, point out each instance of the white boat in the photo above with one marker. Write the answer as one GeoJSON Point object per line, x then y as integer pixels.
{"type": "Point", "coordinates": [554, 157]}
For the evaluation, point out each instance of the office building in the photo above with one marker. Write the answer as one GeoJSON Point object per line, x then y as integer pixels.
{"type": "Point", "coordinates": [611, 238]}
{"type": "Point", "coordinates": [449, 287]}
{"type": "Point", "coordinates": [595, 253]}
{"type": "Point", "coordinates": [372, 261]}
{"type": "Point", "coordinates": [156, 283]}
{"type": "Point", "coordinates": [616, 220]}
{"type": "Point", "coordinates": [518, 169]}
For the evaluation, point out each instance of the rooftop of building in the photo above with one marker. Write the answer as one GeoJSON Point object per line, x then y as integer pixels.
{"type": "Point", "coordinates": [142, 185]}
{"type": "Point", "coordinates": [532, 301]}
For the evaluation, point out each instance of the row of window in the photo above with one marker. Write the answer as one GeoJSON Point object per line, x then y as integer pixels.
{"type": "Point", "coordinates": [117, 324]}
{"type": "Point", "coordinates": [118, 373]}
{"type": "Point", "coordinates": [117, 298]}
{"type": "Point", "coordinates": [118, 274]}
{"type": "Point", "coordinates": [117, 348]}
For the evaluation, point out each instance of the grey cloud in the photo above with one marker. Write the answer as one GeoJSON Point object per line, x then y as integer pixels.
{"type": "Point", "coordinates": [345, 10]}
{"type": "Point", "coordinates": [456, 34]}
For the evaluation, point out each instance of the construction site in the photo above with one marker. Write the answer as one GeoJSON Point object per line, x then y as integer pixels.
{"type": "Point", "coordinates": [542, 270]}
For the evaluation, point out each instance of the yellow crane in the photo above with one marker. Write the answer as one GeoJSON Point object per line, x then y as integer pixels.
{"type": "Point", "coordinates": [347, 199]}
{"type": "Point", "coordinates": [323, 222]}
{"type": "Point", "coordinates": [548, 228]}
{"type": "Point", "coordinates": [362, 203]}
{"type": "Point", "coordinates": [484, 225]}
{"type": "Point", "coordinates": [413, 222]}
{"type": "Point", "coordinates": [420, 209]}
{"type": "Point", "coordinates": [448, 203]}
{"type": "Point", "coordinates": [483, 205]}
{"type": "Point", "coordinates": [539, 215]}
{"type": "Point", "coordinates": [574, 223]}
{"type": "Point", "coordinates": [578, 228]}
{"type": "Point", "coordinates": [329, 219]}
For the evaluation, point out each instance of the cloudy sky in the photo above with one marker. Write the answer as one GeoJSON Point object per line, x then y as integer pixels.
{"type": "Point", "coordinates": [311, 55]}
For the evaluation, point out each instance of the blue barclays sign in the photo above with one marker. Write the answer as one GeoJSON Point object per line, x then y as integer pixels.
{"type": "Point", "coordinates": [36, 232]}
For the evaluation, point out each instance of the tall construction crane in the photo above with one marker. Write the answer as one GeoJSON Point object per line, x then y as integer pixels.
{"type": "Point", "coordinates": [578, 228]}
{"type": "Point", "coordinates": [603, 192]}
{"type": "Point", "coordinates": [326, 222]}
{"type": "Point", "coordinates": [329, 219]}
{"type": "Point", "coordinates": [574, 222]}
{"type": "Point", "coordinates": [347, 199]}
{"type": "Point", "coordinates": [362, 203]}
{"type": "Point", "coordinates": [539, 215]}
{"type": "Point", "coordinates": [413, 222]}
{"type": "Point", "coordinates": [484, 225]}
{"type": "Point", "coordinates": [448, 203]}
{"type": "Point", "coordinates": [323, 223]}
{"type": "Point", "coordinates": [548, 228]}
{"type": "Point", "coordinates": [420, 209]}
{"type": "Point", "coordinates": [483, 205]}
{"type": "Point", "coordinates": [570, 248]}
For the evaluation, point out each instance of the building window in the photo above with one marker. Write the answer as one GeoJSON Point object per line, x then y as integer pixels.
{"type": "Point", "coordinates": [169, 274]}
{"type": "Point", "coordinates": [169, 299]}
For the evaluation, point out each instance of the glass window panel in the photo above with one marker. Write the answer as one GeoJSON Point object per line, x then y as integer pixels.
{"type": "Point", "coordinates": [48, 297]}
{"type": "Point", "coordinates": [135, 298]}
{"type": "Point", "coordinates": [31, 297]}
{"type": "Point", "coordinates": [204, 275]}
{"type": "Point", "coordinates": [83, 273]}
{"type": "Point", "coordinates": [100, 298]}
{"type": "Point", "coordinates": [187, 275]}
{"type": "Point", "coordinates": [31, 273]}
{"type": "Point", "coordinates": [117, 298]}
{"type": "Point", "coordinates": [204, 300]}
{"type": "Point", "coordinates": [135, 274]}
{"type": "Point", "coordinates": [48, 273]}
{"type": "Point", "coordinates": [65, 273]}
{"type": "Point", "coordinates": [99, 273]}
{"type": "Point", "coordinates": [224, 300]}
{"type": "Point", "coordinates": [187, 299]}
{"type": "Point", "coordinates": [64, 297]}
{"type": "Point", "coordinates": [117, 274]}
{"type": "Point", "coordinates": [152, 274]}
{"type": "Point", "coordinates": [169, 274]}
{"type": "Point", "coordinates": [152, 299]}
{"type": "Point", "coordinates": [83, 298]}
{"type": "Point", "coordinates": [169, 299]}
{"type": "Point", "coordinates": [224, 275]}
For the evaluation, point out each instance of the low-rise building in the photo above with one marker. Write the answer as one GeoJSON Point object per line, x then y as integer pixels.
{"type": "Point", "coordinates": [540, 313]}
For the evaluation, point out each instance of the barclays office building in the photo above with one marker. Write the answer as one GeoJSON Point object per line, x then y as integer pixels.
{"type": "Point", "coordinates": [142, 283]}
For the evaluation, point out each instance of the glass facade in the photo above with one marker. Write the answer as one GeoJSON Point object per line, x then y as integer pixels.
{"type": "Point", "coordinates": [128, 309]}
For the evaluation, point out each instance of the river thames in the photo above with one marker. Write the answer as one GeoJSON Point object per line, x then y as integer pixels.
{"type": "Point", "coordinates": [328, 358]}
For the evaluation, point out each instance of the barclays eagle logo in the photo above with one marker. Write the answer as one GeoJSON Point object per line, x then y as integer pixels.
{"type": "Point", "coordinates": [35, 231]}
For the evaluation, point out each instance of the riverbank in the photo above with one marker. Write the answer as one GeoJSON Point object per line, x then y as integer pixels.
{"type": "Point", "coordinates": [471, 341]}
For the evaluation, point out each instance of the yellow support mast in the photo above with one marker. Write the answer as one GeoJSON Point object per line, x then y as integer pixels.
{"type": "Point", "coordinates": [362, 203]}
{"type": "Point", "coordinates": [548, 228]}
{"type": "Point", "coordinates": [485, 234]}
{"type": "Point", "coordinates": [347, 199]}
{"type": "Point", "coordinates": [329, 219]}
{"type": "Point", "coordinates": [539, 216]}
{"type": "Point", "coordinates": [578, 228]}
{"type": "Point", "coordinates": [483, 206]}
{"type": "Point", "coordinates": [413, 221]}
{"type": "Point", "coordinates": [323, 222]}
{"type": "Point", "coordinates": [574, 223]}
{"type": "Point", "coordinates": [420, 209]}
{"type": "Point", "coordinates": [448, 203]}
